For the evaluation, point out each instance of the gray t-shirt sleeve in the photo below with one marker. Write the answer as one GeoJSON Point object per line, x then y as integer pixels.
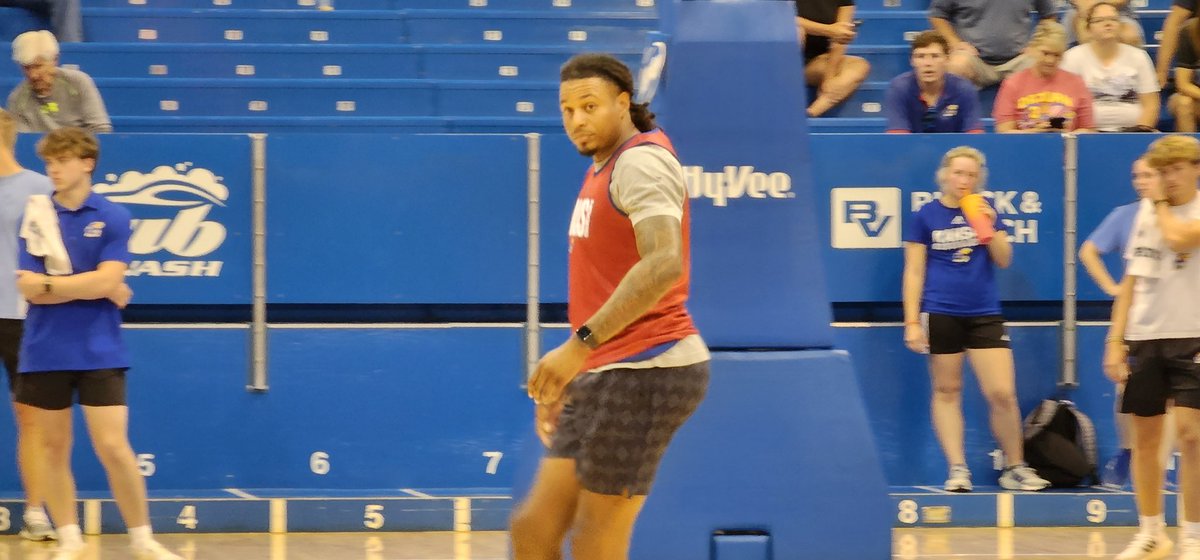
{"type": "Point", "coordinates": [941, 9]}
{"type": "Point", "coordinates": [647, 182]}
{"type": "Point", "coordinates": [94, 115]}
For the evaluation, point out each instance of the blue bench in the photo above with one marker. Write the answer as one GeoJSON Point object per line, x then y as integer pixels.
{"type": "Point", "coordinates": [15, 21]}
{"type": "Point", "coordinates": [538, 28]}
{"type": "Point", "coordinates": [453, 62]}
{"type": "Point", "coordinates": [389, 125]}
{"type": "Point", "coordinates": [234, 97]}
{"type": "Point", "coordinates": [348, 5]}
{"type": "Point", "coordinates": [348, 97]}
{"type": "Point", "coordinates": [125, 25]}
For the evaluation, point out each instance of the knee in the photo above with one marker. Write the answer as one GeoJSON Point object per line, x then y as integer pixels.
{"type": "Point", "coordinates": [1002, 399]}
{"type": "Point", "coordinates": [1130, 35]}
{"type": "Point", "coordinates": [1188, 436]}
{"type": "Point", "coordinates": [947, 391]}
{"type": "Point", "coordinates": [858, 69]}
{"type": "Point", "coordinates": [960, 65]}
{"type": "Point", "coordinates": [531, 532]}
{"type": "Point", "coordinates": [1182, 104]}
{"type": "Point", "coordinates": [113, 450]}
{"type": "Point", "coordinates": [56, 446]}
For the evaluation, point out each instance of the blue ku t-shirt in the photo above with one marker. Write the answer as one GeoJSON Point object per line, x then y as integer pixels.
{"type": "Point", "coordinates": [959, 275]}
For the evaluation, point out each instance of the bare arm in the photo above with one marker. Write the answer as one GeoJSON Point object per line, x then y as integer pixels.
{"type": "Point", "coordinates": [1170, 41]}
{"type": "Point", "coordinates": [915, 337]}
{"type": "Point", "coordinates": [1115, 366]}
{"type": "Point", "coordinates": [659, 242]}
{"type": "Point", "coordinates": [914, 280]}
{"type": "Point", "coordinates": [1000, 249]}
{"type": "Point", "coordinates": [97, 284]}
{"type": "Point", "coordinates": [1183, 83]}
{"type": "Point", "coordinates": [1150, 108]}
{"type": "Point", "coordinates": [945, 29]}
{"type": "Point", "coordinates": [1089, 255]}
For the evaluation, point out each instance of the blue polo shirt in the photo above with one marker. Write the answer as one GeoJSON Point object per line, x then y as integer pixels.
{"type": "Point", "coordinates": [957, 109]}
{"type": "Point", "coordinates": [79, 335]}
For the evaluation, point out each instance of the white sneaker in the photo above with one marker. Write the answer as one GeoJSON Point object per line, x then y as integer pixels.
{"type": "Point", "coordinates": [69, 553]}
{"type": "Point", "coordinates": [38, 528]}
{"type": "Point", "coordinates": [959, 479]}
{"type": "Point", "coordinates": [155, 551]}
{"type": "Point", "coordinates": [1189, 548]}
{"type": "Point", "coordinates": [1021, 477]}
{"type": "Point", "coordinates": [1145, 546]}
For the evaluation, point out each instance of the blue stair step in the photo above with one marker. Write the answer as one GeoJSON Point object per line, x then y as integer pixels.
{"type": "Point", "coordinates": [369, 125]}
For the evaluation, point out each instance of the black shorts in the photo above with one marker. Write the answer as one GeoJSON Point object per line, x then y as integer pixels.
{"type": "Point", "coordinates": [952, 334]}
{"type": "Point", "coordinates": [55, 390]}
{"type": "Point", "coordinates": [1160, 370]}
{"type": "Point", "coordinates": [616, 424]}
{"type": "Point", "coordinates": [10, 349]}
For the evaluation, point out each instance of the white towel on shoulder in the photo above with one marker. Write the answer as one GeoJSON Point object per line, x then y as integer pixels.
{"type": "Point", "coordinates": [1146, 247]}
{"type": "Point", "coordinates": [42, 236]}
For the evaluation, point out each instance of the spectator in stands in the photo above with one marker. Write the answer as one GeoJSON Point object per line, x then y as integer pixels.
{"type": "Point", "coordinates": [51, 97]}
{"type": "Point", "coordinates": [1075, 19]}
{"type": "Point", "coordinates": [1181, 11]}
{"type": "Point", "coordinates": [1044, 98]}
{"type": "Point", "coordinates": [986, 53]}
{"type": "Point", "coordinates": [65, 17]}
{"type": "Point", "coordinates": [1182, 104]}
{"type": "Point", "coordinates": [1120, 77]}
{"type": "Point", "coordinates": [928, 99]}
{"type": "Point", "coordinates": [827, 29]}
{"type": "Point", "coordinates": [952, 311]}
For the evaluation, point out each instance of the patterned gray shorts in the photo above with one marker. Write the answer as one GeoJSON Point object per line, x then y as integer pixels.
{"type": "Point", "coordinates": [616, 424]}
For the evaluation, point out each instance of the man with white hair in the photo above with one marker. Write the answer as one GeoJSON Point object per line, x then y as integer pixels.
{"type": "Point", "coordinates": [65, 17]}
{"type": "Point", "coordinates": [51, 97]}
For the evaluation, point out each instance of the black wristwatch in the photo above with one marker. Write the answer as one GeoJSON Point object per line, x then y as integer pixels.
{"type": "Point", "coordinates": [47, 286]}
{"type": "Point", "coordinates": [587, 337]}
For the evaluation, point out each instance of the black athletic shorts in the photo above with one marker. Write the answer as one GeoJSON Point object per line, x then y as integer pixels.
{"type": "Point", "coordinates": [952, 334]}
{"type": "Point", "coordinates": [10, 349]}
{"type": "Point", "coordinates": [56, 390]}
{"type": "Point", "coordinates": [616, 424]}
{"type": "Point", "coordinates": [1160, 370]}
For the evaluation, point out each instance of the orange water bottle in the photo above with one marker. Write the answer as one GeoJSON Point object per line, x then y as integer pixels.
{"type": "Point", "coordinates": [973, 208]}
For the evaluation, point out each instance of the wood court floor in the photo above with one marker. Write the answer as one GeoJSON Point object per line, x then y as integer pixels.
{"type": "Point", "coordinates": [908, 544]}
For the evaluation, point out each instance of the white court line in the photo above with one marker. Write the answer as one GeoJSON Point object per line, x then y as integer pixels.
{"type": "Point", "coordinates": [241, 493]}
{"type": "Point", "coordinates": [412, 492]}
{"type": "Point", "coordinates": [937, 490]}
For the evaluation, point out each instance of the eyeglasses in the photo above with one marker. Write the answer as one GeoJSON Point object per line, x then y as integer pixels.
{"type": "Point", "coordinates": [1110, 19]}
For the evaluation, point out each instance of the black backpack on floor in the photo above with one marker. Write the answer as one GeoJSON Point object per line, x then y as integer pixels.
{"type": "Point", "coordinates": [1060, 444]}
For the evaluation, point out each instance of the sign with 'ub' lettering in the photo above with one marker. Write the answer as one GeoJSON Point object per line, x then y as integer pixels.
{"type": "Point", "coordinates": [190, 200]}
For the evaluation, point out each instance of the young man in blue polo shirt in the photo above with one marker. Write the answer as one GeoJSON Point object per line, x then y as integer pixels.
{"type": "Point", "coordinates": [72, 344]}
{"type": "Point", "coordinates": [929, 99]}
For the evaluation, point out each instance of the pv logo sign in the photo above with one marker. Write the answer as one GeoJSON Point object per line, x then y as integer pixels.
{"type": "Point", "coordinates": [865, 218]}
{"type": "Point", "coordinates": [171, 206]}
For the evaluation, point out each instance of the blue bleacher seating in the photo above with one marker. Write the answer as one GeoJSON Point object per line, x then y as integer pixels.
{"type": "Point", "coordinates": [528, 28]}
{"type": "Point", "coordinates": [344, 5]}
{"type": "Point", "coordinates": [15, 21]}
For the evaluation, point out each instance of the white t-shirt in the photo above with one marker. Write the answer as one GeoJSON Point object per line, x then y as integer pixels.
{"type": "Point", "coordinates": [648, 181]}
{"type": "Point", "coordinates": [1168, 306]}
{"type": "Point", "coordinates": [1115, 87]}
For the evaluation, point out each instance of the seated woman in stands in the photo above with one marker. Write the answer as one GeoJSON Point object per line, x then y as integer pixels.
{"type": "Point", "coordinates": [1182, 104]}
{"type": "Point", "coordinates": [1044, 98]}
{"type": "Point", "coordinates": [1120, 77]}
{"type": "Point", "coordinates": [826, 29]}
